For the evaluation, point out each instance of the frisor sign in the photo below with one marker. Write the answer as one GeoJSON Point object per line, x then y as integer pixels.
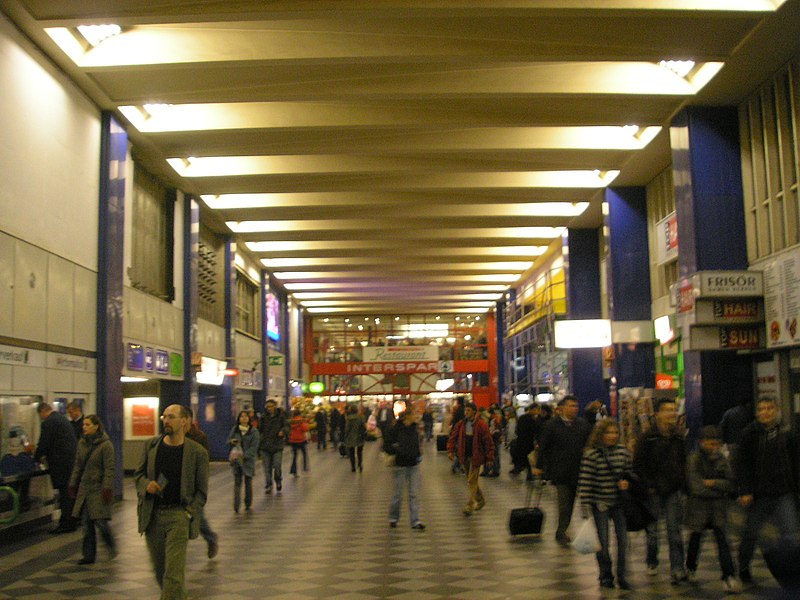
{"type": "Point", "coordinates": [722, 284]}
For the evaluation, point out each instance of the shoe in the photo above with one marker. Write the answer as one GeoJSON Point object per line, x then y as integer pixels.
{"type": "Point", "coordinates": [623, 584]}
{"type": "Point", "coordinates": [480, 505]}
{"type": "Point", "coordinates": [278, 485]}
{"type": "Point", "coordinates": [213, 549]}
{"type": "Point", "coordinates": [691, 575]}
{"type": "Point", "coordinates": [745, 576]}
{"type": "Point", "coordinates": [607, 583]}
{"type": "Point", "coordinates": [678, 577]}
{"type": "Point", "coordinates": [352, 469]}
{"type": "Point", "coordinates": [418, 527]}
{"type": "Point", "coordinates": [393, 524]}
{"type": "Point", "coordinates": [468, 510]}
{"type": "Point", "coordinates": [86, 561]}
{"type": "Point", "coordinates": [652, 570]}
{"type": "Point", "coordinates": [563, 540]}
{"type": "Point", "coordinates": [268, 490]}
{"type": "Point", "coordinates": [112, 552]}
{"type": "Point", "coordinates": [360, 469]}
{"type": "Point", "coordinates": [730, 585]}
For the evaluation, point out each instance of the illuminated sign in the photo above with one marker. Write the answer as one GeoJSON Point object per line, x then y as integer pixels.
{"type": "Point", "coordinates": [273, 318]}
{"type": "Point", "coordinates": [583, 333]}
{"type": "Point", "coordinates": [316, 387]}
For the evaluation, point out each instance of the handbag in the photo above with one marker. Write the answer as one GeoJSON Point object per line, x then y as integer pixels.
{"type": "Point", "coordinates": [586, 542]}
{"type": "Point", "coordinates": [236, 455]}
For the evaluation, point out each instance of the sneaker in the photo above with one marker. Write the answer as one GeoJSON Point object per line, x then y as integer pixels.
{"type": "Point", "coordinates": [278, 485]}
{"type": "Point", "coordinates": [730, 585]}
{"type": "Point", "coordinates": [268, 490]}
{"type": "Point", "coordinates": [745, 576]}
{"type": "Point", "coordinates": [652, 570]}
{"type": "Point", "coordinates": [213, 549]}
{"type": "Point", "coordinates": [418, 526]}
{"type": "Point", "coordinates": [393, 524]}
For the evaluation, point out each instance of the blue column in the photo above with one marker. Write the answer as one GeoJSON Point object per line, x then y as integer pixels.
{"type": "Point", "coordinates": [711, 233]}
{"type": "Point", "coordinates": [583, 302]}
{"type": "Point", "coordinates": [500, 326]}
{"type": "Point", "coordinates": [264, 339]}
{"type": "Point", "coordinates": [191, 247]}
{"type": "Point", "coordinates": [110, 266]}
{"type": "Point", "coordinates": [629, 281]}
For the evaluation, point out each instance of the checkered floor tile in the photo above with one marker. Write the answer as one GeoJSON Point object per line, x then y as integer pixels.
{"type": "Point", "coordinates": [327, 536]}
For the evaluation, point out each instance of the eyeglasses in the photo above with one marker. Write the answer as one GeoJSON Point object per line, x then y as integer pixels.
{"type": "Point", "coordinates": [171, 417]}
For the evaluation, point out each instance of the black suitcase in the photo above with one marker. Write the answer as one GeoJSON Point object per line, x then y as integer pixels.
{"type": "Point", "coordinates": [441, 443]}
{"type": "Point", "coordinates": [527, 520]}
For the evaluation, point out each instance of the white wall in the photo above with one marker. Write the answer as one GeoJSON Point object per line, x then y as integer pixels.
{"type": "Point", "coordinates": [49, 155]}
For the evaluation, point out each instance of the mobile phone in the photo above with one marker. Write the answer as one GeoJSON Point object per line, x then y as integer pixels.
{"type": "Point", "coordinates": [162, 482]}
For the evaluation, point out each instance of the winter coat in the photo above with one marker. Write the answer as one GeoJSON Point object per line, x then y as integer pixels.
{"type": "Point", "coordinates": [96, 474]}
{"type": "Point", "coordinates": [482, 443]}
{"type": "Point", "coordinates": [194, 482]}
{"type": "Point", "coordinates": [57, 442]}
{"type": "Point", "coordinates": [402, 441]}
{"type": "Point", "coordinates": [708, 506]}
{"type": "Point", "coordinates": [768, 462]}
{"type": "Point", "coordinates": [249, 444]}
{"type": "Point", "coordinates": [660, 462]}
{"type": "Point", "coordinates": [355, 432]}
{"type": "Point", "coordinates": [561, 450]}
{"type": "Point", "coordinates": [298, 429]}
{"type": "Point", "coordinates": [269, 429]}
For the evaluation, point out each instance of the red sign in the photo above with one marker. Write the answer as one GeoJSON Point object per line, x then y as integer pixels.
{"type": "Point", "coordinates": [143, 419]}
{"type": "Point", "coordinates": [406, 366]}
{"type": "Point", "coordinates": [664, 381]}
{"type": "Point", "coordinates": [686, 297]}
{"type": "Point", "coordinates": [740, 337]}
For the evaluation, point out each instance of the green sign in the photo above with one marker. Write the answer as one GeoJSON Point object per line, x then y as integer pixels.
{"type": "Point", "coordinates": [275, 361]}
{"type": "Point", "coordinates": [316, 387]}
{"type": "Point", "coordinates": [176, 364]}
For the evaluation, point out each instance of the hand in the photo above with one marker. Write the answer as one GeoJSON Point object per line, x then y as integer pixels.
{"type": "Point", "coordinates": [450, 456]}
{"type": "Point", "coordinates": [623, 484]}
{"type": "Point", "coordinates": [746, 500]}
{"type": "Point", "coordinates": [72, 491]}
{"type": "Point", "coordinates": [153, 488]}
{"type": "Point", "coordinates": [537, 472]}
{"type": "Point", "coordinates": [108, 496]}
{"type": "Point", "coordinates": [281, 434]}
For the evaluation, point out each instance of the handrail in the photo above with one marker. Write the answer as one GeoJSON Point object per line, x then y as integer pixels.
{"type": "Point", "coordinates": [15, 503]}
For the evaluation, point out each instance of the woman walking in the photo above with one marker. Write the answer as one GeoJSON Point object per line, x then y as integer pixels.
{"type": "Point", "coordinates": [605, 470]}
{"type": "Point", "coordinates": [92, 486]}
{"type": "Point", "coordinates": [246, 439]}
{"type": "Point", "coordinates": [355, 434]}
{"type": "Point", "coordinates": [298, 439]}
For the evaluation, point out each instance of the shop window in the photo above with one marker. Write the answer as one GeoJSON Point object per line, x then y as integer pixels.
{"type": "Point", "coordinates": [248, 313]}
{"type": "Point", "coordinates": [210, 273]}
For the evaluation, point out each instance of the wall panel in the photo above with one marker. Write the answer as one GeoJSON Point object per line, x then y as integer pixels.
{"type": "Point", "coordinates": [30, 292]}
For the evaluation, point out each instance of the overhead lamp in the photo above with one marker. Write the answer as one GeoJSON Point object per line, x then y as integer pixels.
{"type": "Point", "coordinates": [125, 379]}
{"type": "Point", "coordinates": [97, 34]}
{"type": "Point", "coordinates": [680, 67]}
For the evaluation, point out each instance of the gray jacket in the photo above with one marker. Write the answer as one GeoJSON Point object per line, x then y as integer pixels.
{"type": "Point", "coordinates": [194, 482]}
{"type": "Point", "coordinates": [96, 474]}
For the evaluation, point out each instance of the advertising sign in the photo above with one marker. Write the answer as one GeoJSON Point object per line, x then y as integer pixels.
{"type": "Point", "coordinates": [162, 361]}
{"type": "Point", "coordinates": [733, 337]}
{"type": "Point", "coordinates": [782, 299]}
{"type": "Point", "coordinates": [723, 284]}
{"type": "Point", "coordinates": [667, 244]}
{"type": "Point", "coordinates": [400, 353]}
{"type": "Point", "coordinates": [135, 357]}
{"type": "Point", "coordinates": [148, 360]}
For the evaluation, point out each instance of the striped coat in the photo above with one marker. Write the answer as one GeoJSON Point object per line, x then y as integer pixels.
{"type": "Point", "coordinates": [601, 469]}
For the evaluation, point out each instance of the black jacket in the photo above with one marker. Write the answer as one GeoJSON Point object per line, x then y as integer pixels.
{"type": "Point", "coordinates": [561, 449]}
{"type": "Point", "coordinates": [660, 462]}
{"type": "Point", "coordinates": [57, 442]}
{"type": "Point", "coordinates": [767, 462]}
{"type": "Point", "coordinates": [403, 441]}
{"type": "Point", "coordinates": [269, 427]}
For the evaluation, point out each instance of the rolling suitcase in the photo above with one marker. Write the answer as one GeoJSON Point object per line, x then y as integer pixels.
{"type": "Point", "coordinates": [527, 520]}
{"type": "Point", "coordinates": [441, 443]}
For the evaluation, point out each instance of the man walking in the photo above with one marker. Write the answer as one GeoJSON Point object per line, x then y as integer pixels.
{"type": "Point", "coordinates": [559, 459]}
{"type": "Point", "coordinates": [768, 472]}
{"type": "Point", "coordinates": [472, 443]}
{"type": "Point", "coordinates": [274, 430]}
{"type": "Point", "coordinates": [402, 442]}
{"type": "Point", "coordinates": [57, 444]}
{"type": "Point", "coordinates": [172, 486]}
{"type": "Point", "coordinates": [660, 462]}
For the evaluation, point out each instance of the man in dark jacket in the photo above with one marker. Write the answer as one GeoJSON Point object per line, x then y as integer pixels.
{"type": "Point", "coordinates": [768, 472]}
{"type": "Point", "coordinates": [57, 444]}
{"type": "Point", "coordinates": [274, 430]}
{"type": "Point", "coordinates": [527, 429]}
{"type": "Point", "coordinates": [559, 459]}
{"type": "Point", "coordinates": [402, 442]}
{"type": "Point", "coordinates": [75, 415]}
{"type": "Point", "coordinates": [660, 463]}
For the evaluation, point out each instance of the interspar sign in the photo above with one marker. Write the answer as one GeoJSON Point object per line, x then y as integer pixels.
{"type": "Point", "coordinates": [409, 366]}
{"type": "Point", "coordinates": [407, 354]}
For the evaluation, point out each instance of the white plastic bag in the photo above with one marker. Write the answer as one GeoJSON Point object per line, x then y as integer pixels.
{"type": "Point", "coordinates": [586, 542]}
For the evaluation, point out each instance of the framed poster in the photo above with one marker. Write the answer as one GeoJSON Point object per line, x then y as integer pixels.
{"type": "Point", "coordinates": [141, 417]}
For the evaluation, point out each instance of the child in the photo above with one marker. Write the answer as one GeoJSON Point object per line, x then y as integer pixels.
{"type": "Point", "coordinates": [710, 483]}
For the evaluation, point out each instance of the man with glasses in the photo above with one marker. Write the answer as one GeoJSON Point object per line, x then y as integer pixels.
{"type": "Point", "coordinates": [172, 485]}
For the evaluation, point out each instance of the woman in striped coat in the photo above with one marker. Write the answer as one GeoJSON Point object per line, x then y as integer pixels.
{"type": "Point", "coordinates": [604, 474]}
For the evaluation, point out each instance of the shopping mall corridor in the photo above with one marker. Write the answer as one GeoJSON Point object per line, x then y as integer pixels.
{"type": "Point", "coordinates": [327, 536]}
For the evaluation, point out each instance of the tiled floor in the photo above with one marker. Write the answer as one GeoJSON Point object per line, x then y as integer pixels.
{"type": "Point", "coordinates": [327, 536]}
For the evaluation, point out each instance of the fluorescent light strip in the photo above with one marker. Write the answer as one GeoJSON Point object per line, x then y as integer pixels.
{"type": "Point", "coordinates": [377, 224]}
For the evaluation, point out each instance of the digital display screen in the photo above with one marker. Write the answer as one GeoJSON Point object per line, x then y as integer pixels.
{"type": "Point", "coordinates": [273, 318]}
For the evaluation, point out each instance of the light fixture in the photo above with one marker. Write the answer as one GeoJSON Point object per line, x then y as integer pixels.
{"type": "Point", "coordinates": [680, 67]}
{"type": "Point", "coordinates": [125, 379]}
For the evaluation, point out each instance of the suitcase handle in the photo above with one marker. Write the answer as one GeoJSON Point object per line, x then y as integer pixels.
{"type": "Point", "coordinates": [529, 492]}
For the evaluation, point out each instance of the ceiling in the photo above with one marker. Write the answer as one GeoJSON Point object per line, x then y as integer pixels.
{"type": "Point", "coordinates": [409, 155]}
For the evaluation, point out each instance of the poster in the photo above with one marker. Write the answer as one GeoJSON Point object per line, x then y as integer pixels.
{"type": "Point", "coordinates": [141, 417]}
{"type": "Point", "coordinates": [782, 299]}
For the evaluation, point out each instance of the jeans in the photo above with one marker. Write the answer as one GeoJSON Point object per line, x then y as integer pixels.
{"type": "Point", "coordinates": [322, 441]}
{"type": "Point", "coordinates": [782, 511]}
{"type": "Point", "coordinates": [167, 536]}
{"type": "Point", "coordinates": [238, 475]}
{"type": "Point", "coordinates": [295, 447]}
{"type": "Point", "coordinates": [601, 519]}
{"type": "Point", "coordinates": [428, 431]}
{"type": "Point", "coordinates": [566, 502]}
{"type": "Point", "coordinates": [352, 452]}
{"type": "Point", "coordinates": [272, 463]}
{"type": "Point", "coordinates": [89, 537]}
{"type": "Point", "coordinates": [671, 506]}
{"type": "Point", "coordinates": [403, 476]}
{"type": "Point", "coordinates": [205, 528]}
{"type": "Point", "coordinates": [723, 550]}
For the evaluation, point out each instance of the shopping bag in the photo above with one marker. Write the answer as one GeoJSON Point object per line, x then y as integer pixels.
{"type": "Point", "coordinates": [236, 456]}
{"type": "Point", "coordinates": [586, 542]}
